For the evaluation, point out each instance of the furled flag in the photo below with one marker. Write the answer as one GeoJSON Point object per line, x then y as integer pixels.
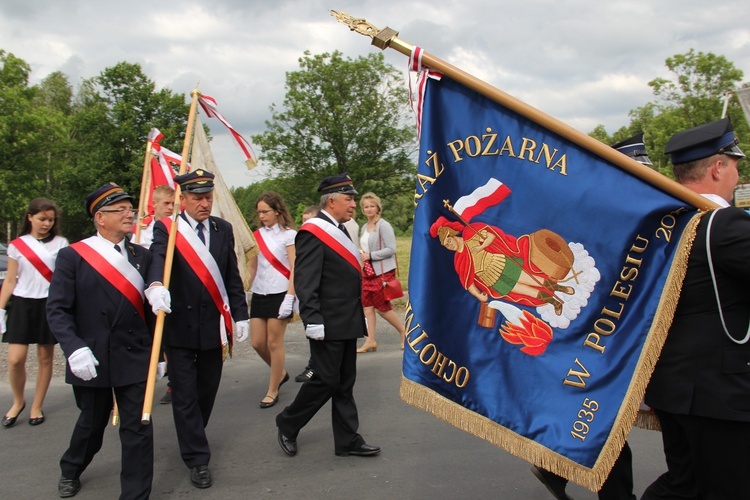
{"type": "Point", "coordinates": [743, 95]}
{"type": "Point", "coordinates": [163, 166]}
{"type": "Point", "coordinates": [211, 109]}
{"type": "Point", "coordinates": [542, 283]}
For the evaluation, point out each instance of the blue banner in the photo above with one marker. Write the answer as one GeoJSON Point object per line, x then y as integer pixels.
{"type": "Point", "coordinates": [542, 282]}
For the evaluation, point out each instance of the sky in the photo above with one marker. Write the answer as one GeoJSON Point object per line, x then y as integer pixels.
{"type": "Point", "coordinates": [585, 62]}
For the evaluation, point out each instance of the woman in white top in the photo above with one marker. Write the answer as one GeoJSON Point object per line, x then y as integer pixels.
{"type": "Point", "coordinates": [378, 250]}
{"type": "Point", "coordinates": [31, 261]}
{"type": "Point", "coordinates": [272, 278]}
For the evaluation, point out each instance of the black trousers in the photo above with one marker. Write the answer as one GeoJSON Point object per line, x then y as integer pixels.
{"type": "Point", "coordinates": [335, 363]}
{"type": "Point", "coordinates": [194, 376]}
{"type": "Point", "coordinates": [706, 459]}
{"type": "Point", "coordinates": [619, 482]}
{"type": "Point", "coordinates": [137, 467]}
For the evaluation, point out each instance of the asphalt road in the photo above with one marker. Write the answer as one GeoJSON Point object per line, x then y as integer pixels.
{"type": "Point", "coordinates": [422, 456]}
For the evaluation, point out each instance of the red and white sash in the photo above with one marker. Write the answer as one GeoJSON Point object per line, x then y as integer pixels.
{"type": "Point", "coordinates": [114, 267]}
{"type": "Point", "coordinates": [35, 252]}
{"type": "Point", "coordinates": [335, 239]}
{"type": "Point", "coordinates": [267, 252]}
{"type": "Point", "coordinates": [205, 268]}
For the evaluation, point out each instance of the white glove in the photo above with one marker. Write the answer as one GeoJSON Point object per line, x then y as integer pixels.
{"type": "Point", "coordinates": [242, 330]}
{"type": "Point", "coordinates": [161, 370]}
{"type": "Point", "coordinates": [315, 332]}
{"type": "Point", "coordinates": [285, 310]}
{"type": "Point", "coordinates": [159, 298]}
{"type": "Point", "coordinates": [83, 363]}
{"type": "Point", "coordinates": [3, 327]}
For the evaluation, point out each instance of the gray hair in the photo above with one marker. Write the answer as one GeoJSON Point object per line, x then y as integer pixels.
{"type": "Point", "coordinates": [324, 199]}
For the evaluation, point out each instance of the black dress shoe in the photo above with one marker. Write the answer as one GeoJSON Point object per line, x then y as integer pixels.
{"type": "Point", "coordinates": [288, 445]}
{"type": "Point", "coordinates": [200, 476]}
{"type": "Point", "coordinates": [9, 421]}
{"type": "Point", "coordinates": [268, 404]}
{"type": "Point", "coordinates": [366, 450]}
{"type": "Point", "coordinates": [68, 487]}
{"type": "Point", "coordinates": [555, 484]}
{"type": "Point", "coordinates": [36, 420]}
{"type": "Point", "coordinates": [284, 380]}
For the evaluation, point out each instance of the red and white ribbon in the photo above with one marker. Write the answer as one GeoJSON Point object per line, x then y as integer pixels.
{"type": "Point", "coordinates": [209, 106]}
{"type": "Point", "coordinates": [416, 99]}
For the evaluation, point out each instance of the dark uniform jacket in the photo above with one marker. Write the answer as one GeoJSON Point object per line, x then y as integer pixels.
{"type": "Point", "coordinates": [85, 310]}
{"type": "Point", "coordinates": [700, 371]}
{"type": "Point", "coordinates": [194, 320]}
{"type": "Point", "coordinates": [328, 287]}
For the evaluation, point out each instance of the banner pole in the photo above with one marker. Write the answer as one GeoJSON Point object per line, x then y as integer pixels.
{"type": "Point", "coordinates": [388, 38]}
{"type": "Point", "coordinates": [145, 181]}
{"type": "Point", "coordinates": [148, 401]}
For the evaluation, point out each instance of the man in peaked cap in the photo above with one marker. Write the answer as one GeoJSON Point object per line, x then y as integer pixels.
{"type": "Point", "coordinates": [96, 311]}
{"type": "Point", "coordinates": [619, 483]}
{"type": "Point", "coordinates": [700, 388]}
{"type": "Point", "coordinates": [199, 331]}
{"type": "Point", "coordinates": [328, 282]}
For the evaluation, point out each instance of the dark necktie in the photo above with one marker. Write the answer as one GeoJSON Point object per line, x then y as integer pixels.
{"type": "Point", "coordinates": [117, 247]}
{"type": "Point", "coordinates": [343, 228]}
{"type": "Point", "coordinates": [200, 229]}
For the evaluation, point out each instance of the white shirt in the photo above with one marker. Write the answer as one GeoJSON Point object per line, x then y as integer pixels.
{"type": "Point", "coordinates": [716, 199]}
{"type": "Point", "coordinates": [194, 224]}
{"type": "Point", "coordinates": [147, 235]}
{"type": "Point", "coordinates": [31, 284]}
{"type": "Point", "coordinates": [121, 244]}
{"type": "Point", "coordinates": [267, 279]}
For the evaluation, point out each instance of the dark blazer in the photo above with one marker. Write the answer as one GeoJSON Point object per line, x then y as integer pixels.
{"type": "Point", "coordinates": [328, 287]}
{"type": "Point", "coordinates": [194, 320]}
{"type": "Point", "coordinates": [701, 372]}
{"type": "Point", "coordinates": [84, 309]}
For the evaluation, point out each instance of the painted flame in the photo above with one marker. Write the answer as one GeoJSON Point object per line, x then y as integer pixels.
{"type": "Point", "coordinates": [532, 332]}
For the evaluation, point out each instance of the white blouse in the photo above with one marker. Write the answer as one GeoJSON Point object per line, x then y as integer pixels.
{"type": "Point", "coordinates": [267, 279]}
{"type": "Point", "coordinates": [31, 284]}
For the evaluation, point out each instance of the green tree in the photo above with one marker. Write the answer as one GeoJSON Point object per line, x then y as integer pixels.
{"type": "Point", "coordinates": [30, 132]}
{"type": "Point", "coordinates": [341, 115]}
{"type": "Point", "coordinates": [112, 115]}
{"type": "Point", "coordinates": [694, 94]}
{"type": "Point", "coordinates": [697, 87]}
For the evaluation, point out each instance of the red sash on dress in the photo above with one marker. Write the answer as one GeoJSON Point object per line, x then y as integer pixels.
{"type": "Point", "coordinates": [203, 264]}
{"type": "Point", "coordinates": [335, 239]}
{"type": "Point", "coordinates": [268, 254]}
{"type": "Point", "coordinates": [126, 283]}
{"type": "Point", "coordinates": [33, 257]}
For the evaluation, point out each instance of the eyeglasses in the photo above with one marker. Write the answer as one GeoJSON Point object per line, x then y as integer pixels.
{"type": "Point", "coordinates": [263, 212]}
{"type": "Point", "coordinates": [120, 211]}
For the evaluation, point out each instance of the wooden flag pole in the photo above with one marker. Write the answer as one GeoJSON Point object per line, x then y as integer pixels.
{"type": "Point", "coordinates": [388, 38]}
{"type": "Point", "coordinates": [148, 401]}
{"type": "Point", "coordinates": [145, 182]}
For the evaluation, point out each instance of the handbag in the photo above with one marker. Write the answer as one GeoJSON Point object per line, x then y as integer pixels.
{"type": "Point", "coordinates": [367, 269]}
{"type": "Point", "coordinates": [392, 288]}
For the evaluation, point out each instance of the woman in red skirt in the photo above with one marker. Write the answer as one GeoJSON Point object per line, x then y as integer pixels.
{"type": "Point", "coordinates": [378, 250]}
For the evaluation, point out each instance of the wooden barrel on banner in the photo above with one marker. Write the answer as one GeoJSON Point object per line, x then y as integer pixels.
{"type": "Point", "coordinates": [487, 315]}
{"type": "Point", "coordinates": [550, 252]}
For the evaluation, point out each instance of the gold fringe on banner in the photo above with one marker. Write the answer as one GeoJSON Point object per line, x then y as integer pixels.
{"type": "Point", "coordinates": [592, 478]}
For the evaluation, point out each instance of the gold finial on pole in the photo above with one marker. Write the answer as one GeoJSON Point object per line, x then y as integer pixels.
{"type": "Point", "coordinates": [382, 39]}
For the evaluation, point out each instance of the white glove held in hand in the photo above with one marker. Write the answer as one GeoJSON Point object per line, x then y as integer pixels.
{"type": "Point", "coordinates": [315, 332]}
{"type": "Point", "coordinates": [159, 298]}
{"type": "Point", "coordinates": [3, 327]}
{"type": "Point", "coordinates": [285, 310]}
{"type": "Point", "coordinates": [161, 370]}
{"type": "Point", "coordinates": [242, 330]}
{"type": "Point", "coordinates": [83, 363]}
